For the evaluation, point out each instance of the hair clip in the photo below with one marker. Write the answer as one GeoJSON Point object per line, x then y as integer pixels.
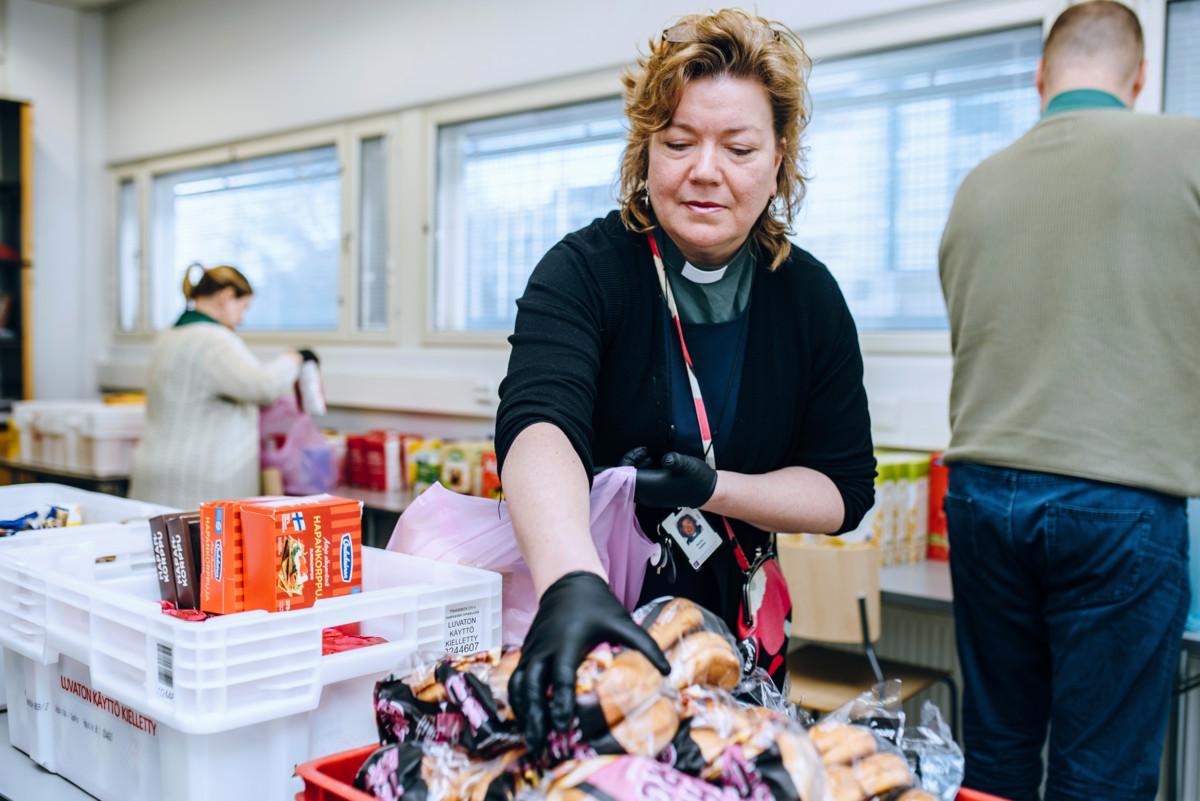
{"type": "Point", "coordinates": [680, 33]}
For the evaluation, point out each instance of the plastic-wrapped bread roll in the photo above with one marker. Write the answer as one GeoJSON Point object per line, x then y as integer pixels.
{"type": "Point", "coordinates": [839, 743]}
{"type": "Point", "coordinates": [626, 684]}
{"type": "Point", "coordinates": [882, 773]}
{"type": "Point", "coordinates": [672, 621]}
{"type": "Point", "coordinates": [704, 658]}
{"type": "Point", "coordinates": [843, 785]}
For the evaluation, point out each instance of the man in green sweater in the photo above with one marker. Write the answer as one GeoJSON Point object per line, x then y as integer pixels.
{"type": "Point", "coordinates": [1071, 270]}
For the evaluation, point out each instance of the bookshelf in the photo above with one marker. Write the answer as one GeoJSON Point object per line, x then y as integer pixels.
{"type": "Point", "coordinates": [16, 251]}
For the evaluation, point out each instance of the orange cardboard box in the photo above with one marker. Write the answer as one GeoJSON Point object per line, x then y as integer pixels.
{"type": "Point", "coordinates": [222, 561]}
{"type": "Point", "coordinates": [300, 550]}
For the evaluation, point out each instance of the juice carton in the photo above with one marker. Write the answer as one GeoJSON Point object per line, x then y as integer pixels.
{"type": "Point", "coordinates": [424, 461]}
{"type": "Point", "coordinates": [301, 550]}
{"type": "Point", "coordinates": [381, 451]}
{"type": "Point", "coordinates": [939, 482]}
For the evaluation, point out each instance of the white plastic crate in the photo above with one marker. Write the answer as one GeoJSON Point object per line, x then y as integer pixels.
{"type": "Point", "coordinates": [95, 508]}
{"type": "Point", "coordinates": [87, 436]}
{"type": "Point", "coordinates": [222, 709]}
{"type": "Point", "coordinates": [47, 429]}
{"type": "Point", "coordinates": [106, 438]}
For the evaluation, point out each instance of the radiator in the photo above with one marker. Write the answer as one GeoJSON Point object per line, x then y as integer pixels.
{"type": "Point", "coordinates": [921, 638]}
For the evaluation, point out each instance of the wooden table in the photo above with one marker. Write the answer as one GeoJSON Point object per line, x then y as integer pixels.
{"type": "Point", "coordinates": [381, 510]}
{"type": "Point", "coordinates": [23, 472]}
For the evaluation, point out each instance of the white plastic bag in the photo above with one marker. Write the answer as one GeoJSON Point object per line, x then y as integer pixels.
{"type": "Point", "coordinates": [446, 526]}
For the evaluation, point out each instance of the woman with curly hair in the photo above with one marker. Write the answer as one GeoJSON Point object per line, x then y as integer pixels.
{"type": "Point", "coordinates": [686, 335]}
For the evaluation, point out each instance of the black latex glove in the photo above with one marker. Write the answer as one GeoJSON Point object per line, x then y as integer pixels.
{"type": "Point", "coordinates": [576, 613]}
{"type": "Point", "coordinates": [680, 481]}
{"type": "Point", "coordinates": [308, 356]}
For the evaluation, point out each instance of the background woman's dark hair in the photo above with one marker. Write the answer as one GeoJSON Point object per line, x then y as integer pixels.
{"type": "Point", "coordinates": [199, 282]}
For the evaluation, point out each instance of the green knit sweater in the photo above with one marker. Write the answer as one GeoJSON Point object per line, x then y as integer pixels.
{"type": "Point", "coordinates": [1071, 270]}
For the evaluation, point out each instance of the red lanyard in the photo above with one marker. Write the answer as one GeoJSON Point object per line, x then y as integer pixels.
{"type": "Point", "coordinates": [710, 456]}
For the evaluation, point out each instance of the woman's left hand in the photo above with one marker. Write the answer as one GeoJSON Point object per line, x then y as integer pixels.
{"type": "Point", "coordinates": [680, 481]}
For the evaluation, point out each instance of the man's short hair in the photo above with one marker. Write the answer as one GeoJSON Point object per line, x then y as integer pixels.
{"type": "Point", "coordinates": [1098, 33]}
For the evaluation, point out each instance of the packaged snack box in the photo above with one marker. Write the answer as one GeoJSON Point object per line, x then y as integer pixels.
{"type": "Point", "coordinates": [424, 463]}
{"type": "Point", "coordinates": [381, 454]}
{"type": "Point", "coordinates": [222, 560]}
{"type": "Point", "coordinates": [489, 476]}
{"type": "Point", "coordinates": [300, 550]}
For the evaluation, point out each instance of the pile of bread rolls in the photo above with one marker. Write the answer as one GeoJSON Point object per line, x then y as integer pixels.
{"type": "Point", "coordinates": [448, 733]}
{"type": "Point", "coordinates": [857, 771]}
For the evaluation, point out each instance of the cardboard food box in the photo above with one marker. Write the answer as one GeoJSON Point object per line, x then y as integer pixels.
{"type": "Point", "coordinates": [300, 550]}
{"type": "Point", "coordinates": [489, 476]}
{"type": "Point", "coordinates": [222, 559]}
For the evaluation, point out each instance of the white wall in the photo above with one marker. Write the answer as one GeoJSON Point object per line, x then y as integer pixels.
{"type": "Point", "coordinates": [183, 74]}
{"type": "Point", "coordinates": [54, 58]}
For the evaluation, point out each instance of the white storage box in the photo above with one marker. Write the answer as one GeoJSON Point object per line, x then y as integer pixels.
{"type": "Point", "coordinates": [129, 703]}
{"type": "Point", "coordinates": [94, 507]}
{"type": "Point", "coordinates": [46, 429]}
{"type": "Point", "coordinates": [106, 438]}
{"type": "Point", "coordinates": [86, 436]}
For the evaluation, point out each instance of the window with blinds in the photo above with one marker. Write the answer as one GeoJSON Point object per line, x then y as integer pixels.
{"type": "Point", "coordinates": [892, 136]}
{"type": "Point", "coordinates": [508, 188]}
{"type": "Point", "coordinates": [276, 218]}
{"type": "Point", "coordinates": [1182, 75]}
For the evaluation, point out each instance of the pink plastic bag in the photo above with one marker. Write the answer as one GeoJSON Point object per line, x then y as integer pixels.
{"type": "Point", "coordinates": [290, 442]}
{"type": "Point", "coordinates": [449, 527]}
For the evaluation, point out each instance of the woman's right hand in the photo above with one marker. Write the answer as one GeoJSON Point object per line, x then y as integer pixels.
{"type": "Point", "coordinates": [575, 614]}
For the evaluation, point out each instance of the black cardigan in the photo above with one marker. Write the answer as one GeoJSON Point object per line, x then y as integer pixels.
{"type": "Point", "coordinates": [587, 356]}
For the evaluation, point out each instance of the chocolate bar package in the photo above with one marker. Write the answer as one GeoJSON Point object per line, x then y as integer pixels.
{"type": "Point", "coordinates": [162, 558]}
{"type": "Point", "coordinates": [185, 558]}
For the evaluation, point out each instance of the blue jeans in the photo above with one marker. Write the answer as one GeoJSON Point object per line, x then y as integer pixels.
{"type": "Point", "coordinates": [1069, 602]}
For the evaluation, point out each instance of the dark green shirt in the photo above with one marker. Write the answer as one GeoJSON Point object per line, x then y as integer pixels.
{"type": "Point", "coordinates": [708, 295]}
{"type": "Point", "coordinates": [192, 316]}
{"type": "Point", "coordinates": [1081, 99]}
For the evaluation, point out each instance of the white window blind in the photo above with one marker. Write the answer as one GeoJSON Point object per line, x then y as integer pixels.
{"type": "Point", "coordinates": [372, 235]}
{"type": "Point", "coordinates": [892, 136]}
{"type": "Point", "coordinates": [508, 188]}
{"type": "Point", "coordinates": [276, 218]}
{"type": "Point", "coordinates": [1182, 90]}
{"type": "Point", "coordinates": [128, 258]}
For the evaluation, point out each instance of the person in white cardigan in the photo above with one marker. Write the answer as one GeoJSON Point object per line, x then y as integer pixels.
{"type": "Point", "coordinates": [205, 387]}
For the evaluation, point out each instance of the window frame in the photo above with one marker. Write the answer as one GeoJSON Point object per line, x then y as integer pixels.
{"type": "Point", "coordinates": [346, 139]}
{"type": "Point", "coordinates": [580, 89]}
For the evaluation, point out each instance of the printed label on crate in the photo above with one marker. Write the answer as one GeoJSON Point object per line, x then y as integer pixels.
{"type": "Point", "coordinates": [464, 628]}
{"type": "Point", "coordinates": [75, 687]}
{"type": "Point", "coordinates": [92, 730]}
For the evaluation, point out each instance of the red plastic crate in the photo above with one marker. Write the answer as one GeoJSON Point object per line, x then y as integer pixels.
{"type": "Point", "coordinates": [331, 778]}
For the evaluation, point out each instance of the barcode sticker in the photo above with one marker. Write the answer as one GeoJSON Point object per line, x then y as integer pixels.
{"type": "Point", "coordinates": [166, 671]}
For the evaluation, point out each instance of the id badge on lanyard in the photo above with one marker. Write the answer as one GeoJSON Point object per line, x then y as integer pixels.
{"type": "Point", "coordinates": [695, 535]}
{"type": "Point", "coordinates": [765, 606]}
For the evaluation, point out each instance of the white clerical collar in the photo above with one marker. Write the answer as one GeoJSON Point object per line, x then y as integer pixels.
{"type": "Point", "coordinates": [698, 276]}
